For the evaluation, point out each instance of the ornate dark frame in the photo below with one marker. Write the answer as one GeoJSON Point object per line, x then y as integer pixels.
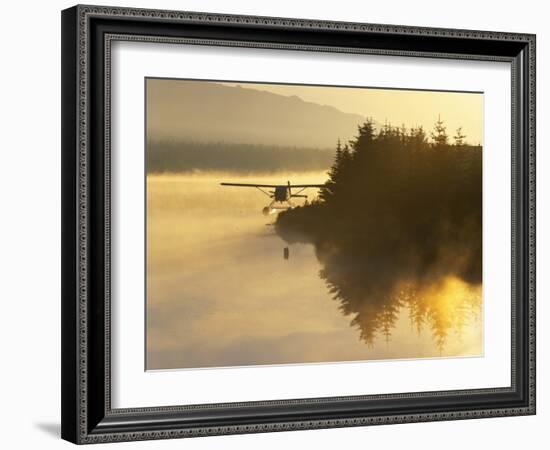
{"type": "Point", "coordinates": [87, 33]}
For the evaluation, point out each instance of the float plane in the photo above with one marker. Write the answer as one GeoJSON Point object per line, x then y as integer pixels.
{"type": "Point", "coordinates": [281, 194]}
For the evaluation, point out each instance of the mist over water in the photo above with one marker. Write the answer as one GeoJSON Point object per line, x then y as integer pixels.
{"type": "Point", "coordinates": [220, 293]}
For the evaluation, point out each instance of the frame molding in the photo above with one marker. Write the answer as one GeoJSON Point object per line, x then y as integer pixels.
{"type": "Point", "coordinates": [87, 34]}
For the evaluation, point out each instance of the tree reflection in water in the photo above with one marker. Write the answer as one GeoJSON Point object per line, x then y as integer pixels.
{"type": "Point", "coordinates": [443, 306]}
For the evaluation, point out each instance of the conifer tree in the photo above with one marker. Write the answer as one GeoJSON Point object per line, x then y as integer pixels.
{"type": "Point", "coordinates": [460, 137]}
{"type": "Point", "coordinates": [366, 131]}
{"type": "Point", "coordinates": [335, 169]}
{"type": "Point", "coordinates": [417, 137]}
{"type": "Point", "coordinates": [439, 134]}
{"type": "Point", "coordinates": [333, 175]}
{"type": "Point", "coordinates": [365, 137]}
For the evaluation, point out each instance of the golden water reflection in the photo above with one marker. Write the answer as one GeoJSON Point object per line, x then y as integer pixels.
{"type": "Point", "coordinates": [220, 293]}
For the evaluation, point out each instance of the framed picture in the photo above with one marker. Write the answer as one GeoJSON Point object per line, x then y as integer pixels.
{"type": "Point", "coordinates": [279, 224]}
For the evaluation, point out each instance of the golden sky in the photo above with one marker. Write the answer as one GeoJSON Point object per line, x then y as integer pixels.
{"type": "Point", "coordinates": [396, 106]}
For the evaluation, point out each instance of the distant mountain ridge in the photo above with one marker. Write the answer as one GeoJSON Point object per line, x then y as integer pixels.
{"type": "Point", "coordinates": [203, 111]}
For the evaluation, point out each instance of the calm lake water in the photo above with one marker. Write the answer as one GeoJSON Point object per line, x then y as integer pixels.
{"type": "Point", "coordinates": [220, 292]}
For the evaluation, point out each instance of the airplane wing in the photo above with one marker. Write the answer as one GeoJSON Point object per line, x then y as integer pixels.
{"type": "Point", "coordinates": [260, 187]}
{"type": "Point", "coordinates": [274, 185]}
{"type": "Point", "coordinates": [250, 185]}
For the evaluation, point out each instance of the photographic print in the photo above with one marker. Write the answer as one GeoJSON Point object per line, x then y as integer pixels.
{"type": "Point", "coordinates": [293, 224]}
{"type": "Point", "coordinates": [275, 224]}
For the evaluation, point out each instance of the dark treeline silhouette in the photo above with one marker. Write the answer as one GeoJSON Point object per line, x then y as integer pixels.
{"type": "Point", "coordinates": [186, 156]}
{"type": "Point", "coordinates": [398, 220]}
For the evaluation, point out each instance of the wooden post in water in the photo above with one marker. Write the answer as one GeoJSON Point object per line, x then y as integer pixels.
{"type": "Point", "coordinates": [286, 253]}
